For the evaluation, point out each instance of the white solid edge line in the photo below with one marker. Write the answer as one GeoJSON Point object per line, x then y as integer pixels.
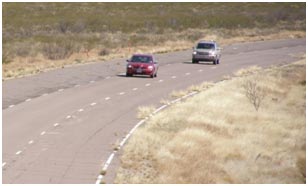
{"type": "Point", "coordinates": [99, 179]}
{"type": "Point", "coordinates": [18, 152]}
{"type": "Point", "coordinates": [131, 132]}
{"type": "Point", "coordinates": [11, 106]}
{"type": "Point", "coordinates": [176, 100]}
{"type": "Point", "coordinates": [159, 109]}
{"type": "Point", "coordinates": [108, 162]}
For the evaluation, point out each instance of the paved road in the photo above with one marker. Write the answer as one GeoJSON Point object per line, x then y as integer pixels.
{"type": "Point", "coordinates": [62, 124]}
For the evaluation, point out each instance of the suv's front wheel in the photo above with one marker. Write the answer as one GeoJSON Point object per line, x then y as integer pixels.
{"type": "Point", "coordinates": [216, 61]}
{"type": "Point", "coordinates": [194, 61]}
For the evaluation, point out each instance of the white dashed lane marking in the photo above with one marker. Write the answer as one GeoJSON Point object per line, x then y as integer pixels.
{"type": "Point", "coordinates": [121, 93]}
{"type": "Point", "coordinates": [92, 81]}
{"type": "Point", "coordinates": [148, 84]}
{"type": "Point", "coordinates": [11, 106]}
{"type": "Point", "coordinates": [108, 77]}
{"type": "Point", "coordinates": [42, 133]}
{"type": "Point", "coordinates": [77, 86]}
{"type": "Point", "coordinates": [134, 89]}
{"type": "Point", "coordinates": [80, 110]}
{"type": "Point", "coordinates": [187, 74]}
{"type": "Point", "coordinates": [68, 117]}
{"type": "Point", "coordinates": [60, 90]}
{"type": "Point", "coordinates": [30, 142]}
{"type": "Point", "coordinates": [18, 152]}
{"type": "Point", "coordinates": [173, 77]}
{"type": "Point", "coordinates": [44, 94]}
{"type": "Point", "coordinates": [107, 98]}
{"type": "Point", "coordinates": [56, 124]}
{"type": "Point", "coordinates": [92, 104]}
{"type": "Point", "coordinates": [161, 80]}
{"type": "Point", "coordinates": [213, 67]}
{"type": "Point", "coordinates": [28, 99]}
{"type": "Point", "coordinates": [200, 70]}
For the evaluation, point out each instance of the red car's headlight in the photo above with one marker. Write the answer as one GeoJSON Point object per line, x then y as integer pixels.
{"type": "Point", "coordinates": [150, 67]}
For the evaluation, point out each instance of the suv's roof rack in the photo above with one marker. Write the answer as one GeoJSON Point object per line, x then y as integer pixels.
{"type": "Point", "coordinates": [207, 41]}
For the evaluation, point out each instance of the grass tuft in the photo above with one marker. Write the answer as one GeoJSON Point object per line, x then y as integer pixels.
{"type": "Point", "coordinates": [145, 111]}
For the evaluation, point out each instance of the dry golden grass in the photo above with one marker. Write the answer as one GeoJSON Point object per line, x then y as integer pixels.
{"type": "Point", "coordinates": [145, 111]}
{"type": "Point", "coordinates": [22, 66]}
{"type": "Point", "coordinates": [218, 137]}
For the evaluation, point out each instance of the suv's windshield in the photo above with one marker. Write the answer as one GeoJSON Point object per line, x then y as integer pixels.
{"type": "Point", "coordinates": [141, 59]}
{"type": "Point", "coordinates": [205, 46]}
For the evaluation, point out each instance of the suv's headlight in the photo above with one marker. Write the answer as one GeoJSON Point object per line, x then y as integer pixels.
{"type": "Point", "coordinates": [212, 53]}
{"type": "Point", "coordinates": [194, 52]}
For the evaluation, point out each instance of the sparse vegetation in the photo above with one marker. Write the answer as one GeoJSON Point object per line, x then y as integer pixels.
{"type": "Point", "coordinates": [218, 137]}
{"type": "Point", "coordinates": [51, 35]}
{"type": "Point", "coordinates": [254, 92]}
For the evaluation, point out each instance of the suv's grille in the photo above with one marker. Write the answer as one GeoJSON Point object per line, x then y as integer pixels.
{"type": "Point", "coordinates": [203, 53]}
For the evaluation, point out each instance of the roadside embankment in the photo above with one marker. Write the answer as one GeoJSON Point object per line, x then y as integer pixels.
{"type": "Point", "coordinates": [250, 128]}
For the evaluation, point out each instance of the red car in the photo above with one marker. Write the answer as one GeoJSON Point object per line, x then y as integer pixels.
{"type": "Point", "coordinates": [142, 64]}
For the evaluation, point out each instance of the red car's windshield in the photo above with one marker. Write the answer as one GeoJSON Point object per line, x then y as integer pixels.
{"type": "Point", "coordinates": [141, 59]}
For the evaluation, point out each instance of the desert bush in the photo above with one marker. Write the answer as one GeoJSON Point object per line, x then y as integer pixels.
{"type": "Point", "coordinates": [253, 92]}
{"type": "Point", "coordinates": [58, 50]}
{"type": "Point", "coordinates": [145, 111]}
{"type": "Point", "coordinates": [6, 57]}
{"type": "Point", "coordinates": [104, 52]}
{"type": "Point", "coordinates": [64, 26]}
{"type": "Point", "coordinates": [78, 27]}
{"type": "Point", "coordinates": [22, 49]}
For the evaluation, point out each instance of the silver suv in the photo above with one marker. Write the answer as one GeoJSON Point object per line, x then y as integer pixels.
{"type": "Point", "coordinates": [206, 51]}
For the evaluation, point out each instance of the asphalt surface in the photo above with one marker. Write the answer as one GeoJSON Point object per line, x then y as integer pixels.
{"type": "Point", "coordinates": [61, 126]}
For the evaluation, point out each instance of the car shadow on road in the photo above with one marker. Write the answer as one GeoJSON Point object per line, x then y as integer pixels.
{"type": "Point", "coordinates": [134, 76]}
{"type": "Point", "coordinates": [200, 63]}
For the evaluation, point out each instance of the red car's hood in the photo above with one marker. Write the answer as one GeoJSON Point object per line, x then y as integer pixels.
{"type": "Point", "coordinates": [140, 65]}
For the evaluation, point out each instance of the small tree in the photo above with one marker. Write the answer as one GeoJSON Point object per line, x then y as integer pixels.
{"type": "Point", "coordinates": [254, 92]}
